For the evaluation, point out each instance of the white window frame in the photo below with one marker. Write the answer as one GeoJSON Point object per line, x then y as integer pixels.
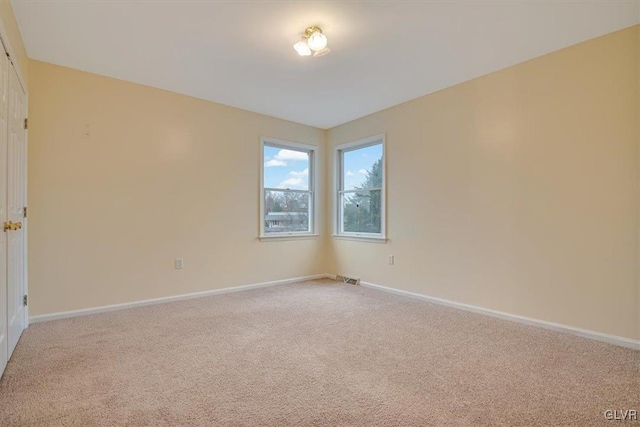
{"type": "Point", "coordinates": [338, 190]}
{"type": "Point", "coordinates": [313, 209]}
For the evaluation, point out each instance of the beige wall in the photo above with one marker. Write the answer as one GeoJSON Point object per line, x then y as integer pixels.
{"type": "Point", "coordinates": [517, 191]}
{"type": "Point", "coordinates": [14, 37]}
{"type": "Point", "coordinates": [160, 176]}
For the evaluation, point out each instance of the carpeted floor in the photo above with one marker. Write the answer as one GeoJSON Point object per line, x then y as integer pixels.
{"type": "Point", "coordinates": [314, 353]}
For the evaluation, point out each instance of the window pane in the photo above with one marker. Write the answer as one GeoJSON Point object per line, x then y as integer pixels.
{"type": "Point", "coordinates": [362, 168]}
{"type": "Point", "coordinates": [286, 211]}
{"type": "Point", "coordinates": [286, 168]}
{"type": "Point", "coordinates": [362, 212]}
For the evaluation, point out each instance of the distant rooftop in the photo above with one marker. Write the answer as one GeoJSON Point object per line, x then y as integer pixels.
{"type": "Point", "coordinates": [286, 215]}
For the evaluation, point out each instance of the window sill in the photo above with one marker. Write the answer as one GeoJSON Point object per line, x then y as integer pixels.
{"type": "Point", "coordinates": [281, 237]}
{"type": "Point", "coordinates": [360, 238]}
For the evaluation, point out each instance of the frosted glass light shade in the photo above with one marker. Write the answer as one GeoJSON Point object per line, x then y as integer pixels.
{"type": "Point", "coordinates": [302, 48]}
{"type": "Point", "coordinates": [317, 41]}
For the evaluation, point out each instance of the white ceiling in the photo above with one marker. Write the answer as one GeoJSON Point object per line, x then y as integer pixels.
{"type": "Point", "coordinates": [240, 53]}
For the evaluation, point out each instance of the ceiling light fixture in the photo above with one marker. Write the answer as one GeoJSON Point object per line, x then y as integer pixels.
{"type": "Point", "coordinates": [302, 48]}
{"type": "Point", "coordinates": [312, 40]}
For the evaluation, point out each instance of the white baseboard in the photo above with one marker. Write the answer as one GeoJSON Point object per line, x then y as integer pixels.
{"type": "Point", "coordinates": [585, 333]}
{"type": "Point", "coordinates": [123, 306]}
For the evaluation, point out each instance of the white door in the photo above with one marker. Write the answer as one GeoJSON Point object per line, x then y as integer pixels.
{"type": "Point", "coordinates": [4, 109]}
{"type": "Point", "coordinates": [16, 186]}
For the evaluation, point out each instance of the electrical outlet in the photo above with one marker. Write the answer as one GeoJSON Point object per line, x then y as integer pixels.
{"type": "Point", "coordinates": [179, 263]}
{"type": "Point", "coordinates": [391, 259]}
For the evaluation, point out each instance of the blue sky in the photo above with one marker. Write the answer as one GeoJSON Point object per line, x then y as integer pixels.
{"type": "Point", "coordinates": [286, 168]}
{"type": "Point", "coordinates": [357, 163]}
{"type": "Point", "coordinates": [290, 169]}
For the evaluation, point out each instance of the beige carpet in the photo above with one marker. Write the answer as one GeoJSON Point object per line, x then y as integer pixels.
{"type": "Point", "coordinates": [315, 353]}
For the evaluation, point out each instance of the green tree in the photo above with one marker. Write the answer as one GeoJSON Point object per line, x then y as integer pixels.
{"type": "Point", "coordinates": [362, 209]}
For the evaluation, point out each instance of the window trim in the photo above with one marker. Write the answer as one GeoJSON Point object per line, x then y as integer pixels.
{"type": "Point", "coordinates": [338, 150]}
{"type": "Point", "coordinates": [313, 156]}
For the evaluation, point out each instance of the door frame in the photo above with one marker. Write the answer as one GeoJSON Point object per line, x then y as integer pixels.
{"type": "Point", "coordinates": [4, 41]}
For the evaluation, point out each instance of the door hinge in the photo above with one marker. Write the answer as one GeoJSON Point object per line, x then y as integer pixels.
{"type": "Point", "coordinates": [26, 123]}
{"type": "Point", "coordinates": [25, 212]}
{"type": "Point", "coordinates": [24, 300]}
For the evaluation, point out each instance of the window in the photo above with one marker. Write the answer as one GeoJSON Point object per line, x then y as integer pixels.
{"type": "Point", "coordinates": [287, 205]}
{"type": "Point", "coordinates": [360, 192]}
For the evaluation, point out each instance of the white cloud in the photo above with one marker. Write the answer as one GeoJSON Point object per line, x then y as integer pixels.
{"type": "Point", "coordinates": [273, 162]}
{"type": "Point", "coordinates": [300, 174]}
{"type": "Point", "coordinates": [297, 180]}
{"type": "Point", "coordinates": [363, 171]}
{"type": "Point", "coordinates": [349, 173]}
{"type": "Point", "coordinates": [285, 154]}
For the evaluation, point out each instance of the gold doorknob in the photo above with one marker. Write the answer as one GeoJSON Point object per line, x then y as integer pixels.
{"type": "Point", "coordinates": [17, 225]}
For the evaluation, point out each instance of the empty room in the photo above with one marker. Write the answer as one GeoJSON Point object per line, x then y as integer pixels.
{"type": "Point", "coordinates": [320, 213]}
